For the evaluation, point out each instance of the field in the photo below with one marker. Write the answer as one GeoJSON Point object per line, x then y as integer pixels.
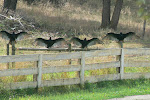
{"type": "Point", "coordinates": [44, 20]}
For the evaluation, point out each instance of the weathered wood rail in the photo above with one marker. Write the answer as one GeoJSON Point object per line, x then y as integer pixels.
{"type": "Point", "coordinates": [39, 70]}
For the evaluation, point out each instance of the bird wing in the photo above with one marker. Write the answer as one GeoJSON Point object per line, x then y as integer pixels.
{"type": "Point", "coordinates": [111, 36]}
{"type": "Point", "coordinates": [5, 35]}
{"type": "Point", "coordinates": [94, 41]}
{"type": "Point", "coordinates": [40, 42]}
{"type": "Point", "coordinates": [21, 35]}
{"type": "Point", "coordinates": [131, 35]}
{"type": "Point", "coordinates": [76, 40]}
{"type": "Point", "coordinates": [60, 42]}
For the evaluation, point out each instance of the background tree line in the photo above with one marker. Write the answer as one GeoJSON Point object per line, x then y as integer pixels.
{"type": "Point", "coordinates": [108, 21]}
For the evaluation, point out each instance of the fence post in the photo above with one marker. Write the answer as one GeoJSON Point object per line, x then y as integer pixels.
{"type": "Point", "coordinates": [8, 49]}
{"type": "Point", "coordinates": [8, 65]}
{"type": "Point", "coordinates": [13, 53]}
{"type": "Point", "coordinates": [82, 69]}
{"type": "Point", "coordinates": [118, 58]}
{"type": "Point", "coordinates": [35, 75]}
{"type": "Point", "coordinates": [39, 76]}
{"type": "Point", "coordinates": [122, 64]}
{"type": "Point", "coordinates": [69, 49]}
{"type": "Point", "coordinates": [13, 47]}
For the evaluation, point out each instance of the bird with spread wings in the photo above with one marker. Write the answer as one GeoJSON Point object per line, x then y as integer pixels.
{"type": "Point", "coordinates": [121, 37]}
{"type": "Point", "coordinates": [48, 43]}
{"type": "Point", "coordinates": [84, 43]}
{"type": "Point", "coordinates": [14, 37]}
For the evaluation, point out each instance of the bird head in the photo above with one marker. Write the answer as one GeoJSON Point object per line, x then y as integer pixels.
{"type": "Point", "coordinates": [14, 29]}
{"type": "Point", "coordinates": [13, 32]}
{"type": "Point", "coordinates": [121, 33]}
{"type": "Point", "coordinates": [50, 38]}
{"type": "Point", "coordinates": [85, 39]}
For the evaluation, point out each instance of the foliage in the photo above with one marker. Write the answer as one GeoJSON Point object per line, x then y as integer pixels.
{"type": "Point", "coordinates": [144, 9]}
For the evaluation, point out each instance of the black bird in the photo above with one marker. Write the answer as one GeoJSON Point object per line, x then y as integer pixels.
{"type": "Point", "coordinates": [120, 37]}
{"type": "Point", "coordinates": [48, 43]}
{"type": "Point", "coordinates": [84, 43]}
{"type": "Point", "coordinates": [13, 37]}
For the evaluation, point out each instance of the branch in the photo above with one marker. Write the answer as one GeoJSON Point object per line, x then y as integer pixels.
{"type": "Point", "coordinates": [13, 18]}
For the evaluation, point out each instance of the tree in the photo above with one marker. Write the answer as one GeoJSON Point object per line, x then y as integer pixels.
{"type": "Point", "coordinates": [13, 5]}
{"type": "Point", "coordinates": [10, 4]}
{"type": "Point", "coordinates": [144, 12]}
{"type": "Point", "coordinates": [6, 4]}
{"type": "Point", "coordinates": [106, 23]}
{"type": "Point", "coordinates": [106, 14]}
{"type": "Point", "coordinates": [116, 14]}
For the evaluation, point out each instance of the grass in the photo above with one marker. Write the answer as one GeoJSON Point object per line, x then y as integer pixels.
{"type": "Point", "coordinates": [96, 91]}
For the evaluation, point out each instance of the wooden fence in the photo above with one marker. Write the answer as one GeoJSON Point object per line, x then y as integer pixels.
{"type": "Point", "coordinates": [39, 70]}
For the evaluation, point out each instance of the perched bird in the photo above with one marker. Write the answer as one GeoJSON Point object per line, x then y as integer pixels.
{"type": "Point", "coordinates": [13, 37]}
{"type": "Point", "coordinates": [48, 43]}
{"type": "Point", "coordinates": [120, 37]}
{"type": "Point", "coordinates": [84, 43]}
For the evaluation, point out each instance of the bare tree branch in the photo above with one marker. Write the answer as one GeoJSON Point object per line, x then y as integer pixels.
{"type": "Point", "coordinates": [13, 18]}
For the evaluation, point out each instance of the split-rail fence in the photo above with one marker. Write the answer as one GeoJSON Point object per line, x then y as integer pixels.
{"type": "Point", "coordinates": [81, 68]}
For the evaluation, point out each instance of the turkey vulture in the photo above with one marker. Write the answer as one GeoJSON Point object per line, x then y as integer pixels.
{"type": "Point", "coordinates": [13, 37]}
{"type": "Point", "coordinates": [48, 43]}
{"type": "Point", "coordinates": [121, 36]}
{"type": "Point", "coordinates": [84, 43]}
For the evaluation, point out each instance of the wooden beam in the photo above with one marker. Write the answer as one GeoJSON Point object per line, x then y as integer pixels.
{"type": "Point", "coordinates": [136, 75]}
{"type": "Point", "coordinates": [93, 79]}
{"type": "Point", "coordinates": [60, 82]}
{"type": "Point", "coordinates": [137, 64]}
{"type": "Point", "coordinates": [18, 72]}
{"type": "Point", "coordinates": [104, 52]}
{"type": "Point", "coordinates": [58, 69]}
{"type": "Point", "coordinates": [137, 51]}
{"type": "Point", "coordinates": [54, 49]}
{"type": "Point", "coordinates": [114, 64]}
{"type": "Point", "coordinates": [63, 56]}
{"type": "Point", "coordinates": [18, 58]}
{"type": "Point", "coordinates": [19, 85]}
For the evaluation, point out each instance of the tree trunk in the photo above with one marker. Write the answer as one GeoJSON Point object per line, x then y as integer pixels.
{"type": "Point", "coordinates": [13, 5]}
{"type": "Point", "coordinates": [10, 4]}
{"type": "Point", "coordinates": [6, 4]}
{"type": "Point", "coordinates": [116, 14]}
{"type": "Point", "coordinates": [106, 14]}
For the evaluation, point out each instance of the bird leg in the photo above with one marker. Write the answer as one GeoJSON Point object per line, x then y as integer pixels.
{"type": "Point", "coordinates": [86, 49]}
{"type": "Point", "coordinates": [121, 44]}
{"type": "Point", "coordinates": [10, 42]}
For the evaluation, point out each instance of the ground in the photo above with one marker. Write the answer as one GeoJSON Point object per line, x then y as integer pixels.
{"type": "Point", "coordinates": [136, 97]}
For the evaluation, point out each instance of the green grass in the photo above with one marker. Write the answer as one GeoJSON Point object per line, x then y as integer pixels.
{"type": "Point", "coordinates": [96, 91]}
{"type": "Point", "coordinates": [69, 21]}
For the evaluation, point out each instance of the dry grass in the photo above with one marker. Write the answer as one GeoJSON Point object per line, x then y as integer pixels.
{"type": "Point", "coordinates": [76, 19]}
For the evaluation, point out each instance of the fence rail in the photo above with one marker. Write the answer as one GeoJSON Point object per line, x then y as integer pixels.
{"type": "Point", "coordinates": [39, 70]}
